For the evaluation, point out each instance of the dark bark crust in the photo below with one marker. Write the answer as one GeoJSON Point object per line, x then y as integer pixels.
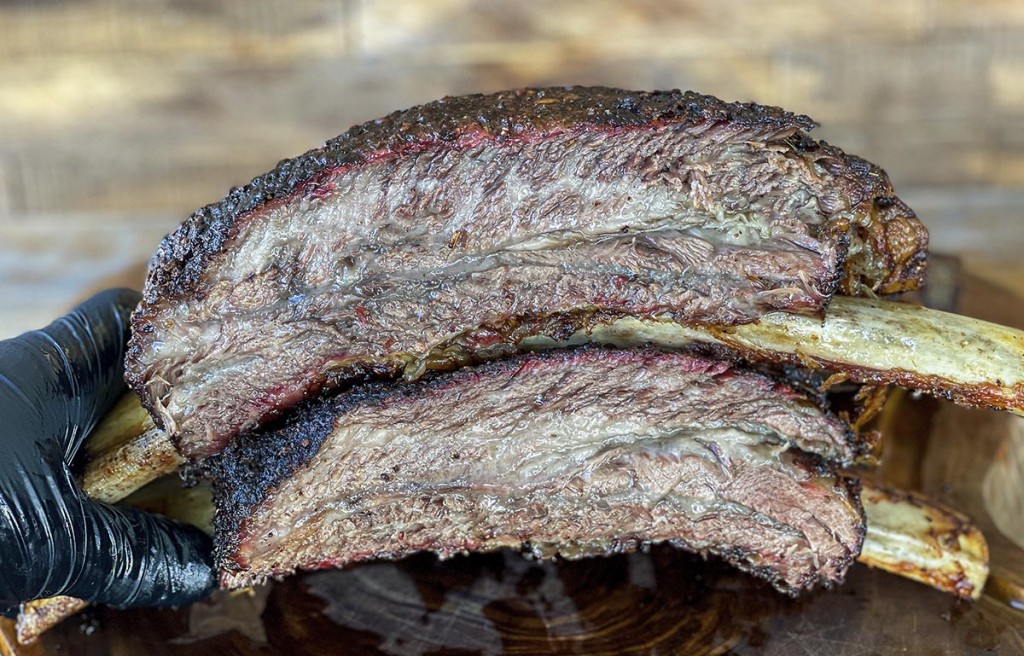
{"type": "Point", "coordinates": [875, 243]}
{"type": "Point", "coordinates": [247, 474]}
{"type": "Point", "coordinates": [183, 256]}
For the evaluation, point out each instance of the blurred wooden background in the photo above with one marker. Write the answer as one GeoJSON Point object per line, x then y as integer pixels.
{"type": "Point", "coordinates": [118, 118]}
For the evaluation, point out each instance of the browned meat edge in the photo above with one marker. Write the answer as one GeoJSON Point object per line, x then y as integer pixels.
{"type": "Point", "coordinates": [182, 257]}
{"type": "Point", "coordinates": [887, 255]}
{"type": "Point", "coordinates": [247, 473]}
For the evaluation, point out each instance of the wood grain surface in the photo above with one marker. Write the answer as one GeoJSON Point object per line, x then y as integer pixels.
{"type": "Point", "coordinates": [118, 118]}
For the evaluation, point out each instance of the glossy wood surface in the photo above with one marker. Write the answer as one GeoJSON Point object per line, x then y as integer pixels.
{"type": "Point", "coordinates": [118, 118]}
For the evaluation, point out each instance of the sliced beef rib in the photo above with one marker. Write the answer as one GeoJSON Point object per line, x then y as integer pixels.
{"type": "Point", "coordinates": [455, 228]}
{"type": "Point", "coordinates": [580, 452]}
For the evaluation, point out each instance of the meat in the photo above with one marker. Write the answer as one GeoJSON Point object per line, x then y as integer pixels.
{"type": "Point", "coordinates": [574, 452]}
{"type": "Point", "coordinates": [448, 232]}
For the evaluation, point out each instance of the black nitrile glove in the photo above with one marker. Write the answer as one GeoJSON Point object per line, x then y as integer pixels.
{"type": "Point", "coordinates": [55, 384]}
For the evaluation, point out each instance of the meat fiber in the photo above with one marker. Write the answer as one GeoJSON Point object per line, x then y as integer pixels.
{"type": "Point", "coordinates": [574, 453]}
{"type": "Point", "coordinates": [447, 232]}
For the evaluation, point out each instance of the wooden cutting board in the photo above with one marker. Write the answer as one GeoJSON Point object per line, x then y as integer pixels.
{"type": "Point", "coordinates": [664, 601]}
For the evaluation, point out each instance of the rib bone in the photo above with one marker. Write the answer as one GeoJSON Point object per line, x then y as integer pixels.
{"type": "Point", "coordinates": [914, 537]}
{"type": "Point", "coordinates": [972, 362]}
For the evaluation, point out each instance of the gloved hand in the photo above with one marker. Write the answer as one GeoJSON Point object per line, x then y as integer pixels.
{"type": "Point", "coordinates": [55, 384]}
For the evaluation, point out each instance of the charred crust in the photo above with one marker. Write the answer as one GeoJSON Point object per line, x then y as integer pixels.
{"type": "Point", "coordinates": [250, 466]}
{"type": "Point", "coordinates": [246, 473]}
{"type": "Point", "coordinates": [183, 255]}
{"type": "Point", "coordinates": [894, 260]}
{"type": "Point", "coordinates": [853, 487]}
{"type": "Point", "coordinates": [841, 238]}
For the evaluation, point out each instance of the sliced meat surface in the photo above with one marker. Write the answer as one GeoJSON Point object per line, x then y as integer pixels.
{"type": "Point", "coordinates": [575, 453]}
{"type": "Point", "coordinates": [450, 230]}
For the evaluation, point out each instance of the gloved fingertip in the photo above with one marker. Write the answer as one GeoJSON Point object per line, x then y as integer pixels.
{"type": "Point", "coordinates": [148, 560]}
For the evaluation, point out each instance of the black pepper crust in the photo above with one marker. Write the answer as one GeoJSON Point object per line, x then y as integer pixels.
{"type": "Point", "coordinates": [251, 467]}
{"type": "Point", "coordinates": [887, 257]}
{"type": "Point", "coordinates": [183, 256]}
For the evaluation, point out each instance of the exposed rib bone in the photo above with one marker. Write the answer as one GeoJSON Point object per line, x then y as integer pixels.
{"type": "Point", "coordinates": [973, 362]}
{"type": "Point", "coordinates": [916, 538]}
